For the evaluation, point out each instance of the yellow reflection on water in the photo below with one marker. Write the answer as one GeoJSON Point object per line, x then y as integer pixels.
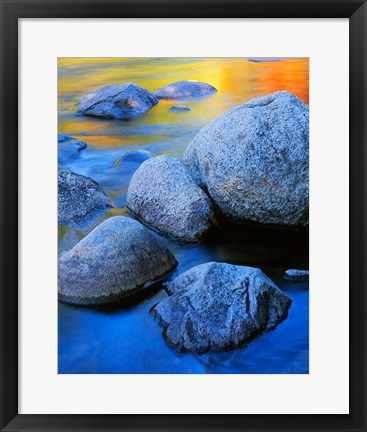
{"type": "Point", "coordinates": [236, 79]}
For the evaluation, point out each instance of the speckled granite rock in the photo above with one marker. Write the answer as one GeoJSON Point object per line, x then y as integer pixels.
{"type": "Point", "coordinates": [79, 197]}
{"type": "Point", "coordinates": [188, 89]}
{"type": "Point", "coordinates": [118, 101]}
{"type": "Point", "coordinates": [297, 275]}
{"type": "Point", "coordinates": [254, 160]}
{"type": "Point", "coordinates": [218, 306]}
{"type": "Point", "coordinates": [118, 257]}
{"type": "Point", "coordinates": [164, 195]}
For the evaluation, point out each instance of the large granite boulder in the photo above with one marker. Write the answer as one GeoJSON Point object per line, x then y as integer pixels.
{"type": "Point", "coordinates": [117, 101]}
{"type": "Point", "coordinates": [117, 258]}
{"type": "Point", "coordinates": [69, 147]}
{"type": "Point", "coordinates": [254, 160]}
{"type": "Point", "coordinates": [188, 89]}
{"type": "Point", "coordinates": [79, 197]}
{"type": "Point", "coordinates": [165, 196]}
{"type": "Point", "coordinates": [219, 306]}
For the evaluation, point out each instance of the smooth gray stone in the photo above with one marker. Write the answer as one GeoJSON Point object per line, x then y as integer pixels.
{"type": "Point", "coordinates": [134, 157]}
{"type": "Point", "coordinates": [117, 101]}
{"type": "Point", "coordinates": [254, 161]}
{"type": "Point", "coordinates": [185, 90]}
{"type": "Point", "coordinates": [117, 258]}
{"type": "Point", "coordinates": [164, 195]}
{"type": "Point", "coordinates": [300, 275]}
{"type": "Point", "coordinates": [219, 306]}
{"type": "Point", "coordinates": [179, 108]}
{"type": "Point", "coordinates": [79, 197]}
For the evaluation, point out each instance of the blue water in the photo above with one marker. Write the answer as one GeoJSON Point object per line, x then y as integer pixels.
{"type": "Point", "coordinates": [124, 338]}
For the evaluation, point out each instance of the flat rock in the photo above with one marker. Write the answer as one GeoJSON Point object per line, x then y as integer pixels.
{"type": "Point", "coordinates": [219, 306]}
{"type": "Point", "coordinates": [185, 90]}
{"type": "Point", "coordinates": [164, 195]}
{"type": "Point", "coordinates": [254, 161]}
{"type": "Point", "coordinates": [179, 108]}
{"type": "Point", "coordinates": [117, 101]}
{"type": "Point", "coordinates": [297, 275]}
{"type": "Point", "coordinates": [117, 258]}
{"type": "Point", "coordinates": [78, 198]}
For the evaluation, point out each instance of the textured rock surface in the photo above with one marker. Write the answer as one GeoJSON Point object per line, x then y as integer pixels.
{"type": "Point", "coordinates": [293, 274]}
{"type": "Point", "coordinates": [165, 196]}
{"type": "Point", "coordinates": [185, 90]}
{"type": "Point", "coordinates": [119, 101]}
{"type": "Point", "coordinates": [218, 306]}
{"type": "Point", "coordinates": [69, 147]}
{"type": "Point", "coordinates": [79, 197]}
{"type": "Point", "coordinates": [117, 258]}
{"type": "Point", "coordinates": [179, 108]}
{"type": "Point", "coordinates": [254, 160]}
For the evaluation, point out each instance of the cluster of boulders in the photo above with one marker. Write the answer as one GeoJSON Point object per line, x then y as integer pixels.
{"type": "Point", "coordinates": [249, 164]}
{"type": "Point", "coordinates": [129, 100]}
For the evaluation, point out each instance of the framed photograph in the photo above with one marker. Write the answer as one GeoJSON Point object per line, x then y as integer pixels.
{"type": "Point", "coordinates": [183, 215]}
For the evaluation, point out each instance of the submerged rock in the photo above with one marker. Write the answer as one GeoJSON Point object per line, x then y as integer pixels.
{"type": "Point", "coordinates": [117, 101]}
{"type": "Point", "coordinates": [218, 306]}
{"type": "Point", "coordinates": [165, 196]}
{"type": "Point", "coordinates": [185, 90]}
{"type": "Point", "coordinates": [254, 160]}
{"type": "Point", "coordinates": [134, 157]}
{"type": "Point", "coordinates": [69, 147]}
{"type": "Point", "coordinates": [298, 275]}
{"type": "Point", "coordinates": [117, 258]}
{"type": "Point", "coordinates": [79, 197]}
{"type": "Point", "coordinates": [179, 108]}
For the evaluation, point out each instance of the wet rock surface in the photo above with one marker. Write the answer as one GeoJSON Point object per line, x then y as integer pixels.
{"type": "Point", "coordinates": [117, 258]}
{"type": "Point", "coordinates": [219, 306]}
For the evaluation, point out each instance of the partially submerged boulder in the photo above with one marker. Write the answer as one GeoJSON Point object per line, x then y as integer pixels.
{"type": "Point", "coordinates": [165, 196]}
{"type": "Point", "coordinates": [117, 258]}
{"type": "Point", "coordinates": [79, 197]}
{"type": "Point", "coordinates": [69, 147]}
{"type": "Point", "coordinates": [117, 101]}
{"type": "Point", "coordinates": [254, 161]}
{"type": "Point", "coordinates": [297, 275]}
{"type": "Point", "coordinates": [219, 306]}
{"type": "Point", "coordinates": [185, 90]}
{"type": "Point", "coordinates": [179, 108]}
{"type": "Point", "coordinates": [133, 157]}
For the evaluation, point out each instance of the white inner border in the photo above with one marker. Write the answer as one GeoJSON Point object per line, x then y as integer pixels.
{"type": "Point", "coordinates": [325, 389]}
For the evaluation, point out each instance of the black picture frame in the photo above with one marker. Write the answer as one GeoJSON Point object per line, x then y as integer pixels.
{"type": "Point", "coordinates": [11, 11]}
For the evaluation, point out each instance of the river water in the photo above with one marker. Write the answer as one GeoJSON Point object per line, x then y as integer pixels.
{"type": "Point", "coordinates": [123, 338]}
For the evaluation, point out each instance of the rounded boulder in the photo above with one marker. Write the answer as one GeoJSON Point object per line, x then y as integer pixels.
{"type": "Point", "coordinates": [254, 161]}
{"type": "Point", "coordinates": [117, 258]}
{"type": "Point", "coordinates": [164, 195]}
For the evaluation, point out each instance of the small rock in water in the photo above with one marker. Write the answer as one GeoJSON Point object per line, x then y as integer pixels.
{"type": "Point", "coordinates": [254, 161]}
{"type": "Point", "coordinates": [179, 108]}
{"type": "Point", "coordinates": [297, 275]}
{"type": "Point", "coordinates": [266, 59]}
{"type": "Point", "coordinates": [117, 101]}
{"type": "Point", "coordinates": [134, 156]}
{"type": "Point", "coordinates": [185, 90]}
{"type": "Point", "coordinates": [69, 147]}
{"type": "Point", "coordinates": [117, 258]}
{"type": "Point", "coordinates": [219, 306]}
{"type": "Point", "coordinates": [165, 196]}
{"type": "Point", "coordinates": [79, 197]}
